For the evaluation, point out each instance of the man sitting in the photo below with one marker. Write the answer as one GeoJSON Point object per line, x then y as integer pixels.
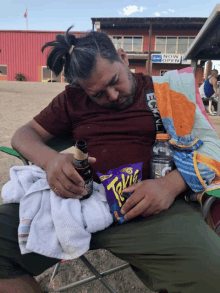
{"type": "Point", "coordinates": [166, 241]}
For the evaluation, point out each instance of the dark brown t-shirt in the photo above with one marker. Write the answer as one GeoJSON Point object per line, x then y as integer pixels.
{"type": "Point", "coordinates": [114, 137]}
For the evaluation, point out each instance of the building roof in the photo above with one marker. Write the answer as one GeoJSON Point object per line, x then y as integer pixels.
{"type": "Point", "coordinates": [207, 43]}
{"type": "Point", "coordinates": [43, 32]}
{"type": "Point", "coordinates": [144, 22]}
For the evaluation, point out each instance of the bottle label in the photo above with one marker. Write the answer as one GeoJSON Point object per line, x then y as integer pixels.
{"type": "Point", "coordinates": [81, 164]}
{"type": "Point", "coordinates": [89, 185]}
{"type": "Point", "coordinates": [159, 170]}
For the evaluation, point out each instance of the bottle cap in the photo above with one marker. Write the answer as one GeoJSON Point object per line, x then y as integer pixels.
{"type": "Point", "coordinates": [80, 150]}
{"type": "Point", "coordinates": [164, 136]}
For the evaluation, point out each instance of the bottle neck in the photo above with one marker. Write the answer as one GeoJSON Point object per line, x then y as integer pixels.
{"type": "Point", "coordinates": [162, 140]}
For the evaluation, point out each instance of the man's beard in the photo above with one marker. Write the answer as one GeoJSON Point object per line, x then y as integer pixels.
{"type": "Point", "coordinates": [128, 99]}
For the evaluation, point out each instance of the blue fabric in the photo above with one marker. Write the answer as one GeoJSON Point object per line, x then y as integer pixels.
{"type": "Point", "coordinates": [208, 88]}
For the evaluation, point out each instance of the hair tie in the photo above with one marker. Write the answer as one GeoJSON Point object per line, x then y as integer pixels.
{"type": "Point", "coordinates": [71, 49]}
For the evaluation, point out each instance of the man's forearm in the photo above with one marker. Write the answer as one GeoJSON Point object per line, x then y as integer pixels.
{"type": "Point", "coordinates": [175, 183]}
{"type": "Point", "coordinates": [30, 145]}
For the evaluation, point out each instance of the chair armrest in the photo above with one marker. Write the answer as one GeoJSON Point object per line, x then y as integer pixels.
{"type": "Point", "coordinates": [61, 142]}
{"type": "Point", "coordinates": [58, 143]}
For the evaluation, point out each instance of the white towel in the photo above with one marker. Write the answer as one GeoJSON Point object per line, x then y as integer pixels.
{"type": "Point", "coordinates": [51, 225]}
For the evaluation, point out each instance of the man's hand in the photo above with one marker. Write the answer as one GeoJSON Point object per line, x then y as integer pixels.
{"type": "Point", "coordinates": [153, 196]}
{"type": "Point", "coordinates": [63, 177]}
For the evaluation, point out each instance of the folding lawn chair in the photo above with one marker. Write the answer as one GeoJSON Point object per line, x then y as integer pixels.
{"type": "Point", "coordinates": [61, 143]}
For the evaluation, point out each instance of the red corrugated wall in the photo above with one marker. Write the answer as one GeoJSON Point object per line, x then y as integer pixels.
{"type": "Point", "coordinates": [21, 51]}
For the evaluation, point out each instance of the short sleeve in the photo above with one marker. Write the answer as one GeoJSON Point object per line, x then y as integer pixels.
{"type": "Point", "coordinates": [55, 117]}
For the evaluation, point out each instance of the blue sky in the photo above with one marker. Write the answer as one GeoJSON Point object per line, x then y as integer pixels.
{"type": "Point", "coordinates": [58, 15]}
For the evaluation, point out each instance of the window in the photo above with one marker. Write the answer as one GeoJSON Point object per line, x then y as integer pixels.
{"type": "Point", "coordinates": [182, 45]}
{"type": "Point", "coordinates": [48, 75]}
{"type": "Point", "coordinates": [191, 39]}
{"type": "Point", "coordinates": [137, 44]}
{"type": "Point", "coordinates": [117, 41]}
{"type": "Point", "coordinates": [3, 69]}
{"type": "Point", "coordinates": [128, 43]}
{"type": "Point", "coordinates": [173, 45]}
{"type": "Point", "coordinates": [161, 44]}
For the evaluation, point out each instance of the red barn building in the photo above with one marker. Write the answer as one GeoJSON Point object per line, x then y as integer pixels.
{"type": "Point", "coordinates": [154, 44]}
{"type": "Point", "coordinates": [20, 52]}
{"type": "Point", "coordinates": [167, 38]}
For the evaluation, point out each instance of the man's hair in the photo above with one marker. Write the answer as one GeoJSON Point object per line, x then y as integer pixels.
{"type": "Point", "coordinates": [214, 70]}
{"type": "Point", "coordinates": [83, 59]}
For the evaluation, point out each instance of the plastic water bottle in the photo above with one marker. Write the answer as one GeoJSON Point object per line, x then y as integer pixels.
{"type": "Point", "coordinates": [162, 161]}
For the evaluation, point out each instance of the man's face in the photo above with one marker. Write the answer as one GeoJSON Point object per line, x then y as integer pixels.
{"type": "Point", "coordinates": [110, 85]}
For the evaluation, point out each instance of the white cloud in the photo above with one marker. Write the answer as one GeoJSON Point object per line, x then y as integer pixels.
{"type": "Point", "coordinates": [165, 12]}
{"type": "Point", "coordinates": [128, 10]}
{"type": "Point", "coordinates": [171, 10]}
{"type": "Point", "coordinates": [157, 14]}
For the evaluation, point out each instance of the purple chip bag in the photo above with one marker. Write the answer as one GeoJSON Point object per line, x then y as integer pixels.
{"type": "Point", "coordinates": [117, 180]}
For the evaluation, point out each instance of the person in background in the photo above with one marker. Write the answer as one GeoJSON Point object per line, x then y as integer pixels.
{"type": "Point", "coordinates": [208, 89]}
{"type": "Point", "coordinates": [210, 85]}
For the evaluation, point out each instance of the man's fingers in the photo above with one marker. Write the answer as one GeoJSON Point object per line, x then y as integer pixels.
{"type": "Point", "coordinates": [136, 211]}
{"type": "Point", "coordinates": [132, 201]}
{"type": "Point", "coordinates": [62, 192]}
{"type": "Point", "coordinates": [132, 187]}
{"type": "Point", "coordinates": [71, 186]}
{"type": "Point", "coordinates": [71, 173]}
{"type": "Point", "coordinates": [92, 160]}
{"type": "Point", "coordinates": [149, 212]}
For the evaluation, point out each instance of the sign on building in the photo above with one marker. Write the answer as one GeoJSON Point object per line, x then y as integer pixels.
{"type": "Point", "coordinates": [166, 58]}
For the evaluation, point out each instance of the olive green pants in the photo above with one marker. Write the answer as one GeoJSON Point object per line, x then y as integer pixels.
{"type": "Point", "coordinates": [174, 251]}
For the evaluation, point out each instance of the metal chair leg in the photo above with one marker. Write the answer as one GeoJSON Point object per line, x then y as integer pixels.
{"type": "Point", "coordinates": [55, 272]}
{"type": "Point", "coordinates": [99, 277]}
{"type": "Point", "coordinates": [97, 274]}
{"type": "Point", "coordinates": [207, 206]}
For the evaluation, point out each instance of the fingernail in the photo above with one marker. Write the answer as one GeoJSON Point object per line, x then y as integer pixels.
{"type": "Point", "coordinates": [122, 211]}
{"type": "Point", "coordinates": [79, 197]}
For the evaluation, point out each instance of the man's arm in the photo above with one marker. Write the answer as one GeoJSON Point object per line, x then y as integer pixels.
{"type": "Point", "coordinates": [29, 141]}
{"type": "Point", "coordinates": [215, 86]}
{"type": "Point", "coordinates": [153, 196]}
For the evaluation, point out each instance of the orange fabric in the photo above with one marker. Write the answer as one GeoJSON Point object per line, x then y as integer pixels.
{"type": "Point", "coordinates": [197, 170]}
{"type": "Point", "coordinates": [184, 146]}
{"type": "Point", "coordinates": [175, 106]}
{"type": "Point", "coordinates": [211, 163]}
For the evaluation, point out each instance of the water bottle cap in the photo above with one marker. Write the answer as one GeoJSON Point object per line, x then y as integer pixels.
{"type": "Point", "coordinates": [164, 136]}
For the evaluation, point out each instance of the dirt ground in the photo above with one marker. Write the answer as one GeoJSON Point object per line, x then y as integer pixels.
{"type": "Point", "coordinates": [19, 102]}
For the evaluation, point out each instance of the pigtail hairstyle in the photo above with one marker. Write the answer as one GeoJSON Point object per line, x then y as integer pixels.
{"type": "Point", "coordinates": [80, 63]}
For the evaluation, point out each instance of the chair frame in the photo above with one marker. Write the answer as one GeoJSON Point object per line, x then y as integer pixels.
{"type": "Point", "coordinates": [61, 143]}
